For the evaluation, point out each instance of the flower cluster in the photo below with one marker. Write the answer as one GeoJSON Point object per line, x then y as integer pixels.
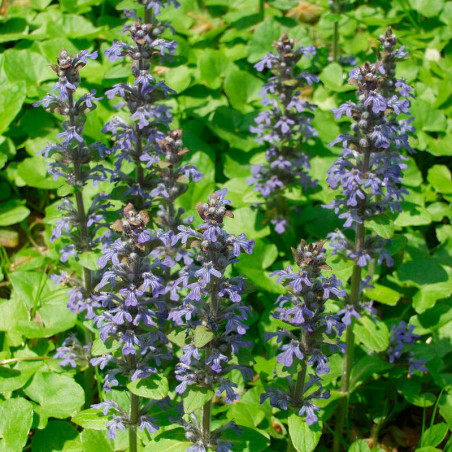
{"type": "Point", "coordinates": [132, 313]}
{"type": "Point", "coordinates": [135, 140]}
{"type": "Point", "coordinates": [401, 336]}
{"type": "Point", "coordinates": [170, 178]}
{"type": "Point", "coordinates": [211, 310]}
{"type": "Point", "coordinates": [71, 160]}
{"type": "Point", "coordinates": [310, 331]}
{"type": "Point", "coordinates": [369, 170]}
{"type": "Point", "coordinates": [284, 126]}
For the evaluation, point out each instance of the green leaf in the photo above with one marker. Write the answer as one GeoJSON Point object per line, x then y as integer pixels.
{"type": "Point", "coordinates": [445, 407]}
{"type": "Point", "coordinates": [100, 348]}
{"type": "Point", "coordinates": [413, 215]}
{"type": "Point", "coordinates": [12, 212]}
{"type": "Point", "coordinates": [250, 440]}
{"type": "Point", "coordinates": [12, 96]}
{"type": "Point", "coordinates": [248, 220]}
{"type": "Point", "coordinates": [365, 367]}
{"type": "Point", "coordinates": [54, 437]}
{"type": "Point", "coordinates": [202, 336]}
{"type": "Point", "coordinates": [428, 8]}
{"type": "Point", "coordinates": [440, 178]}
{"type": "Point", "coordinates": [34, 172]}
{"type": "Point", "coordinates": [374, 336]}
{"type": "Point", "coordinates": [50, 389]}
{"type": "Point", "coordinates": [167, 445]}
{"type": "Point", "coordinates": [333, 77]}
{"type": "Point", "coordinates": [428, 118]}
{"type": "Point", "coordinates": [383, 294]}
{"type": "Point", "coordinates": [196, 398]}
{"type": "Point", "coordinates": [411, 391]}
{"type": "Point", "coordinates": [96, 441]}
{"type": "Point", "coordinates": [382, 226]}
{"type": "Point", "coordinates": [434, 435]}
{"type": "Point", "coordinates": [16, 416]}
{"type": "Point", "coordinates": [422, 271]}
{"type": "Point", "coordinates": [241, 89]}
{"type": "Point", "coordinates": [91, 419]}
{"type": "Point", "coordinates": [212, 65]}
{"type": "Point", "coordinates": [154, 387]}
{"type": "Point", "coordinates": [89, 260]}
{"type": "Point", "coordinates": [304, 437]}
{"type": "Point", "coordinates": [263, 37]}
{"type": "Point", "coordinates": [359, 446]}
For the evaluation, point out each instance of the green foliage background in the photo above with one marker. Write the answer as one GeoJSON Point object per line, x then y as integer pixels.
{"type": "Point", "coordinates": [218, 43]}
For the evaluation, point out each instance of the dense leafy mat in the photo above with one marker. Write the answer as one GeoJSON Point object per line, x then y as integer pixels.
{"type": "Point", "coordinates": [42, 405]}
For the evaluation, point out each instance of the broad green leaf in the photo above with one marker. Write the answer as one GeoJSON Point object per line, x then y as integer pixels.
{"type": "Point", "coordinates": [383, 294]}
{"type": "Point", "coordinates": [12, 212]}
{"type": "Point", "coordinates": [374, 336]}
{"type": "Point", "coordinates": [202, 336]}
{"type": "Point", "coordinates": [359, 446]}
{"type": "Point", "coordinates": [16, 416]}
{"type": "Point", "coordinates": [411, 391]}
{"type": "Point", "coordinates": [421, 272]}
{"type": "Point", "coordinates": [90, 419]}
{"type": "Point", "coordinates": [250, 440]}
{"type": "Point", "coordinates": [213, 65]}
{"type": "Point", "coordinates": [413, 215]}
{"type": "Point", "coordinates": [50, 389]}
{"type": "Point", "coordinates": [34, 172]}
{"type": "Point", "coordinates": [333, 77]}
{"type": "Point", "coordinates": [434, 435]}
{"type": "Point", "coordinates": [54, 437]}
{"type": "Point", "coordinates": [241, 89]}
{"type": "Point", "coordinates": [365, 367]}
{"type": "Point", "coordinates": [428, 8]}
{"type": "Point", "coordinates": [96, 441]}
{"type": "Point", "coordinates": [304, 437]}
{"type": "Point", "coordinates": [440, 178]}
{"type": "Point", "coordinates": [196, 398]}
{"type": "Point", "coordinates": [445, 407]}
{"type": "Point", "coordinates": [249, 220]}
{"type": "Point", "coordinates": [15, 378]}
{"type": "Point", "coordinates": [167, 445]}
{"type": "Point", "coordinates": [100, 348]}
{"type": "Point", "coordinates": [154, 387]}
{"type": "Point", "coordinates": [382, 226]}
{"type": "Point", "coordinates": [12, 96]}
{"type": "Point", "coordinates": [263, 37]}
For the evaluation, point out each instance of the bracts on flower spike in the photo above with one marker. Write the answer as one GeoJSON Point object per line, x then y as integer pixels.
{"type": "Point", "coordinates": [212, 312]}
{"type": "Point", "coordinates": [284, 127]}
{"type": "Point", "coordinates": [311, 334]}
{"type": "Point", "coordinates": [133, 314]}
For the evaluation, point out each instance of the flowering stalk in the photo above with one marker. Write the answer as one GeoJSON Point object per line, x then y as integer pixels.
{"type": "Point", "coordinates": [336, 7]}
{"type": "Point", "coordinates": [133, 314]}
{"type": "Point", "coordinates": [309, 332]}
{"type": "Point", "coordinates": [71, 161]}
{"type": "Point", "coordinates": [369, 172]}
{"type": "Point", "coordinates": [284, 127]}
{"type": "Point", "coordinates": [212, 312]}
{"type": "Point", "coordinates": [136, 140]}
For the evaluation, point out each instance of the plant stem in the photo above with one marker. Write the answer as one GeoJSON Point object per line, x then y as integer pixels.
{"type": "Point", "coordinates": [261, 10]}
{"type": "Point", "coordinates": [355, 295]}
{"type": "Point", "coordinates": [206, 417]}
{"type": "Point", "coordinates": [298, 396]}
{"type": "Point", "coordinates": [336, 42]}
{"type": "Point", "coordinates": [133, 415]}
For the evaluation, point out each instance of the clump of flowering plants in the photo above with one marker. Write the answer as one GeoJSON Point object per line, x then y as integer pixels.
{"type": "Point", "coordinates": [212, 313]}
{"type": "Point", "coordinates": [284, 127]}
{"type": "Point", "coordinates": [309, 332]}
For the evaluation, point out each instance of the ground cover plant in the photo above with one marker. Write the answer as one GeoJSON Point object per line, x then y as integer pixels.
{"type": "Point", "coordinates": [225, 225]}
